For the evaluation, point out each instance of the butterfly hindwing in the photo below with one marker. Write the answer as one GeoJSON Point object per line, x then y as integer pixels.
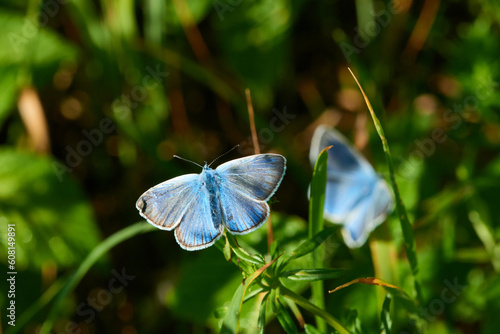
{"type": "Point", "coordinates": [198, 228]}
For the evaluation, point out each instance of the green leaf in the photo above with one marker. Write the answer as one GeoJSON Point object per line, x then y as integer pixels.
{"type": "Point", "coordinates": [285, 319]}
{"type": "Point", "coordinates": [310, 329]}
{"type": "Point", "coordinates": [261, 323]}
{"type": "Point", "coordinates": [220, 312]}
{"type": "Point", "coordinates": [385, 316]}
{"type": "Point", "coordinates": [312, 243]}
{"type": "Point", "coordinates": [227, 250]}
{"type": "Point", "coordinates": [242, 253]}
{"type": "Point", "coordinates": [54, 221]}
{"type": "Point", "coordinates": [352, 321]}
{"type": "Point", "coordinates": [232, 319]}
{"type": "Point", "coordinates": [272, 300]}
{"type": "Point", "coordinates": [318, 188]}
{"type": "Point", "coordinates": [312, 274]}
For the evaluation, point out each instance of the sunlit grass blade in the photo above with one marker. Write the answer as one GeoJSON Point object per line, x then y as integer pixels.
{"type": "Point", "coordinates": [409, 238]}
{"type": "Point", "coordinates": [312, 274]}
{"type": "Point", "coordinates": [92, 258]}
{"type": "Point", "coordinates": [316, 205]}
{"type": "Point", "coordinates": [478, 216]}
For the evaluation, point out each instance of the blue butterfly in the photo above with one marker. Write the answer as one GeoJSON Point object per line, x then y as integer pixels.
{"type": "Point", "coordinates": [356, 196]}
{"type": "Point", "coordinates": [199, 206]}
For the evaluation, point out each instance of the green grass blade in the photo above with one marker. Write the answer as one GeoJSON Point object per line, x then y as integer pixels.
{"type": "Point", "coordinates": [261, 323]}
{"type": "Point", "coordinates": [312, 274]}
{"type": "Point", "coordinates": [409, 238]}
{"type": "Point", "coordinates": [308, 306]}
{"type": "Point", "coordinates": [316, 205]}
{"type": "Point", "coordinates": [310, 329]}
{"type": "Point", "coordinates": [385, 316]}
{"type": "Point", "coordinates": [92, 258]}
{"type": "Point", "coordinates": [312, 243]}
{"type": "Point", "coordinates": [285, 319]}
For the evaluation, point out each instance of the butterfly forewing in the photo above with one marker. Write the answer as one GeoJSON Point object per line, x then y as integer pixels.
{"type": "Point", "coordinates": [165, 204]}
{"type": "Point", "coordinates": [257, 176]}
{"type": "Point", "coordinates": [342, 157]}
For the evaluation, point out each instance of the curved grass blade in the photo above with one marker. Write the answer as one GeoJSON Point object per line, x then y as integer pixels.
{"type": "Point", "coordinates": [97, 252]}
{"type": "Point", "coordinates": [409, 238]}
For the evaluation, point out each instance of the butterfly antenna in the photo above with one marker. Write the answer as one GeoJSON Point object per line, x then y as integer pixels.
{"type": "Point", "coordinates": [220, 156]}
{"type": "Point", "coordinates": [178, 157]}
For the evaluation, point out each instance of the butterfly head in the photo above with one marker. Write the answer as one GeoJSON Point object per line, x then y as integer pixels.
{"type": "Point", "coordinates": [206, 166]}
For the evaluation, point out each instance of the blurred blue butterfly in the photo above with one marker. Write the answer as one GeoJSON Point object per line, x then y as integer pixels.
{"type": "Point", "coordinates": [356, 196]}
{"type": "Point", "coordinates": [199, 206]}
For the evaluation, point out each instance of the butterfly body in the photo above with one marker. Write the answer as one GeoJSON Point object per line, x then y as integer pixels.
{"type": "Point", "coordinates": [211, 182]}
{"type": "Point", "coordinates": [200, 206]}
{"type": "Point", "coordinates": [356, 196]}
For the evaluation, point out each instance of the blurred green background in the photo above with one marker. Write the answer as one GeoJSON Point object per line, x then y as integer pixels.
{"type": "Point", "coordinates": [97, 96]}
